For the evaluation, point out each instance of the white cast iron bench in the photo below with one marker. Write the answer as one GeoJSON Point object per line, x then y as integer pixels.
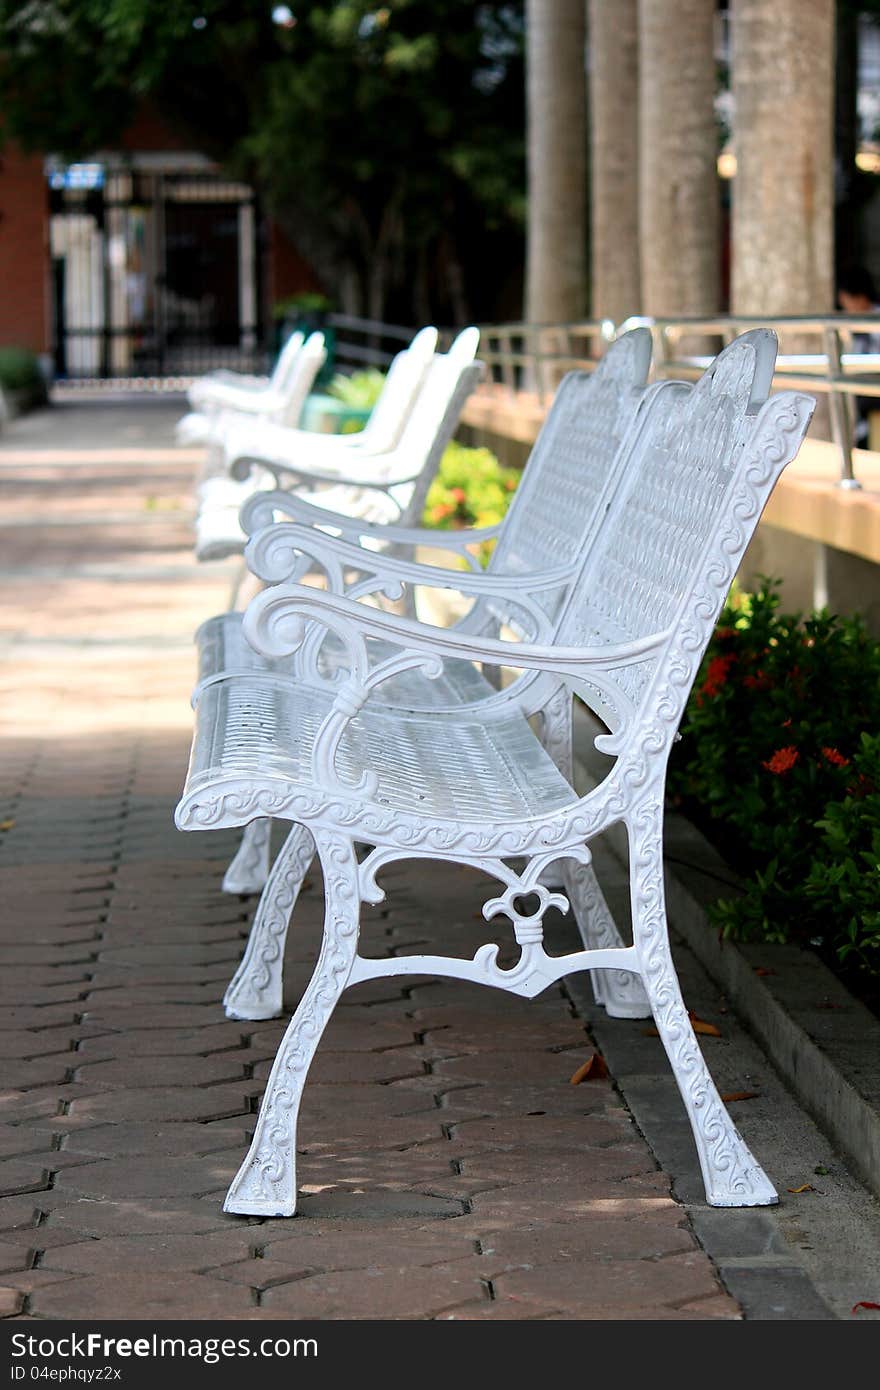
{"type": "Point", "coordinates": [215, 387]}
{"type": "Point", "coordinates": [222, 496]}
{"type": "Point", "coordinates": [473, 785]}
{"type": "Point", "coordinates": [417, 419]}
{"type": "Point", "coordinates": [554, 514]}
{"type": "Point", "coordinates": [281, 402]}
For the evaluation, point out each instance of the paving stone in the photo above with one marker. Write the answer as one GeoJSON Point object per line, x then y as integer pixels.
{"type": "Point", "coordinates": [162, 1103]}
{"type": "Point", "coordinates": [359, 1067]}
{"type": "Point", "coordinates": [179, 1297]}
{"type": "Point", "coordinates": [492, 1311]}
{"type": "Point", "coordinates": [380, 1293]}
{"type": "Point", "coordinates": [575, 1285]}
{"type": "Point", "coordinates": [161, 1071]}
{"type": "Point", "coordinates": [156, 1252]}
{"type": "Point", "coordinates": [165, 1140]}
{"type": "Point", "coordinates": [164, 1042]}
{"type": "Point", "coordinates": [138, 1176]}
{"type": "Point", "coordinates": [558, 1132]}
{"type": "Point", "coordinates": [613, 1238]}
{"type": "Point", "coordinates": [10, 1302]}
{"type": "Point", "coordinates": [342, 1034]}
{"type": "Point", "coordinates": [103, 1217]}
{"type": "Point", "coordinates": [531, 1166]}
{"type": "Point", "coordinates": [376, 1205]}
{"type": "Point", "coordinates": [22, 1175]}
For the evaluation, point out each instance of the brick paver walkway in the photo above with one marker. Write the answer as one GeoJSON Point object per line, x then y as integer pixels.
{"type": "Point", "coordinates": [448, 1170]}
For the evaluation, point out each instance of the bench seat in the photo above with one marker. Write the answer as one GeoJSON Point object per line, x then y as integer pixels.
{"type": "Point", "coordinates": [452, 767]}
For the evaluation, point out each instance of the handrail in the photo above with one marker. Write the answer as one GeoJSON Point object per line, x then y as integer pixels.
{"type": "Point", "coordinates": [534, 356]}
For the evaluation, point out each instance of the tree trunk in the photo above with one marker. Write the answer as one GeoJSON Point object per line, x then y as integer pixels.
{"type": "Point", "coordinates": [556, 116]}
{"type": "Point", "coordinates": [679, 200]}
{"type": "Point", "coordinates": [847, 231]}
{"type": "Point", "coordinates": [783, 86]}
{"type": "Point", "coordinates": [614, 143]}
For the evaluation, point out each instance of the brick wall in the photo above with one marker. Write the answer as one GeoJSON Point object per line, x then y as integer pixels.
{"type": "Point", "coordinates": [24, 257]}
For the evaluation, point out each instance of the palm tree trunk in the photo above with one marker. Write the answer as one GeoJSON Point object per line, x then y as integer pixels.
{"type": "Point", "coordinates": [614, 143]}
{"type": "Point", "coordinates": [783, 206]}
{"type": "Point", "coordinates": [679, 201]}
{"type": "Point", "coordinates": [556, 116]}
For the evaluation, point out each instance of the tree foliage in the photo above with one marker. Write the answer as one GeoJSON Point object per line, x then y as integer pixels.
{"type": "Point", "coordinates": [386, 140]}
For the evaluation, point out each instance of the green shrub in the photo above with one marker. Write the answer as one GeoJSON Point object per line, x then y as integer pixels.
{"type": "Point", "coordinates": [471, 489]}
{"type": "Point", "coordinates": [778, 750]}
{"type": "Point", "coordinates": [300, 305]}
{"type": "Point", "coordinates": [20, 371]}
{"type": "Point", "coordinates": [360, 391]}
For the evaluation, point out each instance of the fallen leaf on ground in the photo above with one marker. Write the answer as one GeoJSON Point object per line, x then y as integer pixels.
{"type": "Point", "coordinates": [594, 1069]}
{"type": "Point", "coordinates": [700, 1025]}
{"type": "Point", "coordinates": [6, 824]}
{"type": "Point", "coordinates": [807, 1187]}
{"type": "Point", "coordinates": [740, 1095]}
{"type": "Point", "coordinates": [864, 1304]}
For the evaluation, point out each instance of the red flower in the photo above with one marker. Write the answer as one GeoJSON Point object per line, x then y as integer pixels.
{"type": "Point", "coordinates": [759, 681]}
{"type": "Point", "coordinates": [783, 760]}
{"type": "Point", "coordinates": [716, 675]}
{"type": "Point", "coordinates": [458, 493]}
{"type": "Point", "coordinates": [833, 755]}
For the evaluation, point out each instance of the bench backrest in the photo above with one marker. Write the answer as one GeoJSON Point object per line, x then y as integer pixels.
{"type": "Point", "coordinates": [286, 358]}
{"type": "Point", "coordinates": [691, 492]}
{"type": "Point", "coordinates": [399, 394]}
{"type": "Point", "coordinates": [449, 380]}
{"type": "Point", "coordinates": [570, 466]}
{"type": "Point", "coordinates": [300, 378]}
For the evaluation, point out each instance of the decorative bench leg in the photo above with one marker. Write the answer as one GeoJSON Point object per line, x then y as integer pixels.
{"type": "Point", "coordinates": [255, 991]}
{"type": "Point", "coordinates": [731, 1174]}
{"type": "Point", "coordinates": [265, 1184]}
{"type": "Point", "coordinates": [249, 870]}
{"type": "Point", "coordinates": [621, 993]}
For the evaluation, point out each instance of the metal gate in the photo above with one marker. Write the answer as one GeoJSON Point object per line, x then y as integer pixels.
{"type": "Point", "coordinates": [154, 273]}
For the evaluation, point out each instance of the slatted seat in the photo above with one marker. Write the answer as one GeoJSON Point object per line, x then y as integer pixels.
{"type": "Point", "coordinates": [449, 766]}
{"type": "Point", "coordinates": [696, 476]}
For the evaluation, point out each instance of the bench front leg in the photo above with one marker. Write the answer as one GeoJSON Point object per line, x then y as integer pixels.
{"type": "Point", "coordinates": [732, 1175]}
{"type": "Point", "coordinates": [265, 1185]}
{"type": "Point", "coordinates": [256, 988]}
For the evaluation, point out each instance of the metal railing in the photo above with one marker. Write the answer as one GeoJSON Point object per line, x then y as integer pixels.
{"type": "Point", "coordinates": [533, 357]}
{"type": "Point", "coordinates": [363, 343]}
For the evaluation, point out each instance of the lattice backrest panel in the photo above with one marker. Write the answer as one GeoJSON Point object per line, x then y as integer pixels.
{"type": "Point", "coordinates": [555, 506]}
{"type": "Point", "coordinates": [672, 504]}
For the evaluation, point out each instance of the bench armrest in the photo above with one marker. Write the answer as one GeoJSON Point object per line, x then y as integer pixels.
{"type": "Point", "coordinates": [260, 510]}
{"type": "Point", "coordinates": [292, 618]}
{"type": "Point", "coordinates": [287, 551]}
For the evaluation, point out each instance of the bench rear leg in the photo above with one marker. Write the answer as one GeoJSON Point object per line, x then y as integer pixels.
{"type": "Point", "coordinates": [621, 993]}
{"type": "Point", "coordinates": [265, 1184]}
{"type": "Point", "coordinates": [618, 992]}
{"type": "Point", "coordinates": [255, 991]}
{"type": "Point", "coordinates": [249, 870]}
{"type": "Point", "coordinates": [731, 1174]}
